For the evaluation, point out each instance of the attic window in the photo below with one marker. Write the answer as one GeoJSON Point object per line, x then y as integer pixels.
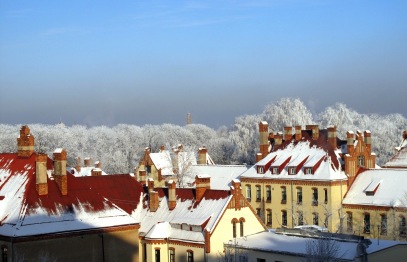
{"type": "Point", "coordinates": [274, 170]}
{"type": "Point", "coordinates": [308, 171]}
{"type": "Point", "coordinates": [372, 188]}
{"type": "Point", "coordinates": [260, 169]}
{"type": "Point", "coordinates": [291, 170]}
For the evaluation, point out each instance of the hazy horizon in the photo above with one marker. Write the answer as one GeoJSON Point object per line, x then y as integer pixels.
{"type": "Point", "coordinates": [142, 62]}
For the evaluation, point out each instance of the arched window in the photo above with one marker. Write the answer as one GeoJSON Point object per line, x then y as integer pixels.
{"type": "Point", "coordinates": [234, 221]}
{"type": "Point", "coordinates": [190, 255]}
{"type": "Point", "coordinates": [242, 220]}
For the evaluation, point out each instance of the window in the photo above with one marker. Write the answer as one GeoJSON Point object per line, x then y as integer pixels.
{"type": "Point", "coordinates": [172, 255]}
{"type": "Point", "coordinates": [241, 228]}
{"type": "Point", "coordinates": [349, 222]}
{"type": "Point", "coordinates": [308, 171]}
{"type": "Point", "coordinates": [283, 195]}
{"type": "Point", "coordinates": [361, 161]}
{"type": "Point", "coordinates": [366, 222]}
{"type": "Point", "coordinates": [248, 192]}
{"type": "Point", "coordinates": [291, 170]}
{"type": "Point", "coordinates": [383, 225]}
{"type": "Point", "coordinates": [260, 170]}
{"type": "Point", "coordinates": [284, 218]}
{"type": "Point", "coordinates": [234, 228]}
{"type": "Point", "coordinates": [258, 193]}
{"type": "Point", "coordinates": [299, 195]}
{"type": "Point", "coordinates": [268, 193]}
{"type": "Point", "coordinates": [274, 170]}
{"type": "Point", "coordinates": [402, 226]}
{"type": "Point", "coordinates": [144, 252]}
{"type": "Point", "coordinates": [157, 255]}
{"type": "Point", "coordinates": [190, 256]}
{"type": "Point", "coordinates": [315, 218]}
{"type": "Point", "coordinates": [300, 218]}
{"type": "Point", "coordinates": [269, 217]}
{"type": "Point", "coordinates": [148, 169]}
{"type": "Point", "coordinates": [4, 252]}
{"type": "Point", "coordinates": [258, 211]}
{"type": "Point", "coordinates": [315, 196]}
{"type": "Point", "coordinates": [325, 196]}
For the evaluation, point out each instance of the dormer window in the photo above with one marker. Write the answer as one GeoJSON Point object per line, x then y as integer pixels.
{"type": "Point", "coordinates": [308, 171]}
{"type": "Point", "coordinates": [274, 170]}
{"type": "Point", "coordinates": [260, 169]}
{"type": "Point", "coordinates": [291, 170]}
{"type": "Point", "coordinates": [372, 188]}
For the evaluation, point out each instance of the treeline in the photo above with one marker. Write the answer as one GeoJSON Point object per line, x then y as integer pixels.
{"type": "Point", "coordinates": [119, 148]}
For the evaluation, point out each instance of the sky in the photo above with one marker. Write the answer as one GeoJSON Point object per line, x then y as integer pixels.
{"type": "Point", "coordinates": [152, 62]}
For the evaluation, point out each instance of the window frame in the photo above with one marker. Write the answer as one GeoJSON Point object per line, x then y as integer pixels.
{"type": "Point", "coordinates": [258, 193]}
{"type": "Point", "coordinates": [268, 194]}
{"type": "Point", "coordinates": [283, 195]}
{"type": "Point", "coordinates": [248, 192]}
{"type": "Point", "coordinates": [366, 223]}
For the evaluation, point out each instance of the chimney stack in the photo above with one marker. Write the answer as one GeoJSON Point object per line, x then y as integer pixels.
{"type": "Point", "coordinates": [202, 183]}
{"type": "Point", "coordinates": [153, 199]}
{"type": "Point", "coordinates": [41, 174]}
{"type": "Point", "coordinates": [162, 148]}
{"type": "Point", "coordinates": [298, 135]}
{"type": "Point", "coordinates": [87, 162]}
{"type": "Point", "coordinates": [288, 133]}
{"type": "Point", "coordinates": [332, 137]}
{"type": "Point", "coordinates": [202, 155]}
{"type": "Point", "coordinates": [142, 175]}
{"type": "Point", "coordinates": [404, 134]}
{"type": "Point", "coordinates": [368, 141]}
{"type": "Point", "coordinates": [237, 193]}
{"type": "Point", "coordinates": [264, 134]}
{"type": "Point", "coordinates": [259, 157]}
{"type": "Point", "coordinates": [278, 140]}
{"type": "Point", "coordinates": [78, 164]}
{"type": "Point", "coordinates": [350, 136]}
{"type": "Point", "coordinates": [96, 172]}
{"type": "Point", "coordinates": [172, 200]}
{"type": "Point", "coordinates": [150, 184]}
{"type": "Point", "coordinates": [60, 170]}
{"type": "Point", "coordinates": [315, 131]}
{"type": "Point", "coordinates": [25, 143]}
{"type": "Point", "coordinates": [98, 164]}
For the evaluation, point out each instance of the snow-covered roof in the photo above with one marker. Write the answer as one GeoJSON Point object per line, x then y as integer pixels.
{"type": "Point", "coordinates": [162, 160]}
{"type": "Point", "coordinates": [379, 187]}
{"type": "Point", "coordinates": [91, 202]}
{"type": "Point", "coordinates": [302, 152]}
{"type": "Point", "coordinates": [399, 160]}
{"type": "Point", "coordinates": [196, 216]}
{"type": "Point", "coordinates": [221, 175]}
{"type": "Point", "coordinates": [85, 171]}
{"type": "Point", "coordinates": [296, 245]}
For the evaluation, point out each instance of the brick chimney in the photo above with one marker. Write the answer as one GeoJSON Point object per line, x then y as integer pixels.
{"type": "Point", "coordinates": [202, 155]}
{"type": "Point", "coordinates": [404, 134]}
{"type": "Point", "coordinates": [288, 133]}
{"type": "Point", "coordinates": [172, 200]}
{"type": "Point", "coordinates": [60, 170]}
{"type": "Point", "coordinates": [78, 164]}
{"type": "Point", "coordinates": [142, 177]}
{"type": "Point", "coordinates": [41, 174]}
{"type": "Point", "coordinates": [98, 164]}
{"type": "Point", "coordinates": [96, 172]}
{"type": "Point", "coordinates": [332, 137]}
{"type": "Point", "coordinates": [264, 134]}
{"type": "Point", "coordinates": [150, 184]}
{"type": "Point", "coordinates": [315, 131]}
{"type": "Point", "coordinates": [237, 193]}
{"type": "Point", "coordinates": [278, 140]}
{"type": "Point", "coordinates": [153, 199]}
{"type": "Point", "coordinates": [202, 183]}
{"type": "Point", "coordinates": [350, 136]}
{"type": "Point", "coordinates": [87, 162]}
{"type": "Point", "coordinates": [25, 143]}
{"type": "Point", "coordinates": [298, 135]}
{"type": "Point", "coordinates": [368, 141]}
{"type": "Point", "coordinates": [162, 148]}
{"type": "Point", "coordinates": [259, 156]}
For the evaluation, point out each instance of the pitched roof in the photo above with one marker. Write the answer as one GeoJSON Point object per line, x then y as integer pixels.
{"type": "Point", "coordinates": [378, 187]}
{"type": "Point", "coordinates": [399, 160]}
{"type": "Point", "coordinates": [188, 219]}
{"type": "Point", "coordinates": [303, 152]}
{"type": "Point", "coordinates": [91, 203]}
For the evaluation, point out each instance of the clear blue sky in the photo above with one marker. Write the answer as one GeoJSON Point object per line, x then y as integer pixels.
{"type": "Point", "coordinates": [138, 62]}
